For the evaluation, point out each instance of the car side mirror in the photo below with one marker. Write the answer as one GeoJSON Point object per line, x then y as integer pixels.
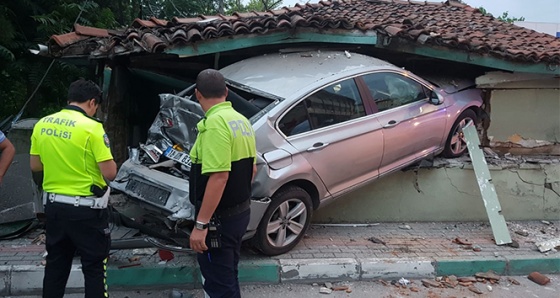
{"type": "Point", "coordinates": [435, 98]}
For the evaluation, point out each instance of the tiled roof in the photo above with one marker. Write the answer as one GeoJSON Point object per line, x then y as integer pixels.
{"type": "Point", "coordinates": [448, 24]}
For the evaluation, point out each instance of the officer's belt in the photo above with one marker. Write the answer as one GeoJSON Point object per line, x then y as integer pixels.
{"type": "Point", "coordinates": [234, 210]}
{"type": "Point", "coordinates": [71, 200]}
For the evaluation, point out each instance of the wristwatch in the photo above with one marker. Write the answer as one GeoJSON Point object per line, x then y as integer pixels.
{"type": "Point", "coordinates": [200, 225]}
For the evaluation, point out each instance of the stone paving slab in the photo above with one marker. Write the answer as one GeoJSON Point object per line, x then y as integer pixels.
{"type": "Point", "coordinates": [327, 253]}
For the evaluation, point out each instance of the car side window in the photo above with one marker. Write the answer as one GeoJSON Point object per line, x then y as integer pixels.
{"type": "Point", "coordinates": [333, 104]}
{"type": "Point", "coordinates": [391, 90]}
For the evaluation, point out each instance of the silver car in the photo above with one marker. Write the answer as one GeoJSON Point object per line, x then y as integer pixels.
{"type": "Point", "coordinates": [326, 123]}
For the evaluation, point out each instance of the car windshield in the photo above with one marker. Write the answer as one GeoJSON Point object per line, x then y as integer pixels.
{"type": "Point", "coordinates": [250, 102]}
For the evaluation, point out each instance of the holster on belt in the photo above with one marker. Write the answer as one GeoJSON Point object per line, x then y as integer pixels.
{"type": "Point", "coordinates": [103, 201]}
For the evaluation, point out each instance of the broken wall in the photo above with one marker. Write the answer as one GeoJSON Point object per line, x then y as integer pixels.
{"type": "Point", "coordinates": [531, 113]}
{"type": "Point", "coordinates": [526, 192]}
{"type": "Point", "coordinates": [523, 104]}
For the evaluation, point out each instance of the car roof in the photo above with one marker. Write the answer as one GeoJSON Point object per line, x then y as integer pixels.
{"type": "Point", "coordinates": [282, 74]}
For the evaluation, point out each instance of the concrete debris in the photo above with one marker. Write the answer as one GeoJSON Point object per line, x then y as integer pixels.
{"type": "Point", "coordinates": [523, 233]}
{"type": "Point", "coordinates": [376, 240]}
{"type": "Point", "coordinates": [403, 281]}
{"type": "Point", "coordinates": [328, 285]}
{"type": "Point", "coordinates": [514, 244]}
{"type": "Point", "coordinates": [450, 281]}
{"type": "Point", "coordinates": [144, 251]}
{"type": "Point", "coordinates": [527, 143]}
{"type": "Point", "coordinates": [384, 282]}
{"type": "Point", "coordinates": [545, 246]}
{"type": "Point", "coordinates": [129, 265]}
{"type": "Point", "coordinates": [490, 275]}
{"type": "Point", "coordinates": [405, 227]}
{"type": "Point", "coordinates": [467, 279]}
{"type": "Point", "coordinates": [325, 290]}
{"type": "Point", "coordinates": [513, 281]}
{"type": "Point", "coordinates": [538, 278]}
{"type": "Point", "coordinates": [175, 293]}
{"type": "Point", "coordinates": [340, 288]}
{"type": "Point", "coordinates": [40, 239]}
{"type": "Point", "coordinates": [461, 241]}
{"type": "Point", "coordinates": [475, 290]}
{"type": "Point", "coordinates": [430, 283]}
{"type": "Point", "coordinates": [134, 259]}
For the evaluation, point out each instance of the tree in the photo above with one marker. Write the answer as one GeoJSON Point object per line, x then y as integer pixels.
{"type": "Point", "coordinates": [26, 23]}
{"type": "Point", "coordinates": [263, 5]}
{"type": "Point", "coordinates": [504, 17]}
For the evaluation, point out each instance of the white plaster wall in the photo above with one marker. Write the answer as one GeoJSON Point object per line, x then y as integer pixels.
{"type": "Point", "coordinates": [449, 194]}
{"type": "Point", "coordinates": [531, 113]}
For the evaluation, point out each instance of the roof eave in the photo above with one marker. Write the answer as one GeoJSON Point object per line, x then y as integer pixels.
{"type": "Point", "coordinates": [463, 56]}
{"type": "Point", "coordinates": [306, 35]}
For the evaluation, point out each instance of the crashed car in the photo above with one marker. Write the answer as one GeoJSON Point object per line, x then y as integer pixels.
{"type": "Point", "coordinates": [326, 122]}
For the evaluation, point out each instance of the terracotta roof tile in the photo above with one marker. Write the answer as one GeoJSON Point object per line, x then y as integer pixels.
{"type": "Point", "coordinates": [138, 23]}
{"type": "Point", "coordinates": [67, 39]}
{"type": "Point", "coordinates": [450, 24]}
{"type": "Point", "coordinates": [90, 31]}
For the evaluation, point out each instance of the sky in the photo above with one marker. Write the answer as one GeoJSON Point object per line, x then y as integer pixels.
{"type": "Point", "coordinates": [546, 11]}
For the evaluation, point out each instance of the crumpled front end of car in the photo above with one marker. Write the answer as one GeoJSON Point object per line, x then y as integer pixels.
{"type": "Point", "coordinates": [156, 173]}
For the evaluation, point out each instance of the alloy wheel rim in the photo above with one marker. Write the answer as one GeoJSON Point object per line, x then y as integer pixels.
{"type": "Point", "coordinates": [286, 223]}
{"type": "Point", "coordinates": [458, 142]}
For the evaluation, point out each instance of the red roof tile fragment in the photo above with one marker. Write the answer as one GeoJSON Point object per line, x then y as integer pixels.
{"type": "Point", "coordinates": [90, 31]}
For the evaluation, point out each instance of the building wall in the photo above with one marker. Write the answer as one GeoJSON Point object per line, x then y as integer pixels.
{"type": "Point", "coordinates": [531, 113]}
{"type": "Point", "coordinates": [527, 192]}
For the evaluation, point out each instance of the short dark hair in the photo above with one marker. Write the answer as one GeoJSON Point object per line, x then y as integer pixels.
{"type": "Point", "coordinates": [83, 90]}
{"type": "Point", "coordinates": [211, 84]}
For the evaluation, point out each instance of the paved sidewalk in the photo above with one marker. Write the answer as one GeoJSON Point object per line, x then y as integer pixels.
{"type": "Point", "coordinates": [327, 253]}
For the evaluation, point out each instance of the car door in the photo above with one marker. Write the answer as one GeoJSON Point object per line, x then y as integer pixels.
{"type": "Point", "coordinates": [332, 130]}
{"type": "Point", "coordinates": [413, 127]}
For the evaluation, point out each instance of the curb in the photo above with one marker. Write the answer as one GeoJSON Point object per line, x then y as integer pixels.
{"type": "Point", "coordinates": [27, 279]}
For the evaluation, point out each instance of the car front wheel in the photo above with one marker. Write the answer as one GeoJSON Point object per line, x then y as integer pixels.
{"type": "Point", "coordinates": [456, 145]}
{"type": "Point", "coordinates": [285, 221]}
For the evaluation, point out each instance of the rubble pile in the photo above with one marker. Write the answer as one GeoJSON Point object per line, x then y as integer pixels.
{"type": "Point", "coordinates": [480, 283]}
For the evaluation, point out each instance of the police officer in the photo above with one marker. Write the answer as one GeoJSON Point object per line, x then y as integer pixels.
{"type": "Point", "coordinates": [8, 151]}
{"type": "Point", "coordinates": [220, 185]}
{"type": "Point", "coordinates": [72, 150]}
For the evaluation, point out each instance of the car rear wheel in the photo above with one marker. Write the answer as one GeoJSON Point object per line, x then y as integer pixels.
{"type": "Point", "coordinates": [285, 221]}
{"type": "Point", "coordinates": [456, 145]}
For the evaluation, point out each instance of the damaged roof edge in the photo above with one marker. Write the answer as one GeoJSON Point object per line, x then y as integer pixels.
{"type": "Point", "coordinates": [253, 40]}
{"type": "Point", "coordinates": [358, 37]}
{"type": "Point", "coordinates": [487, 60]}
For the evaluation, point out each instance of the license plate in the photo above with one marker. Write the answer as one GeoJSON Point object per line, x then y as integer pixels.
{"type": "Point", "coordinates": [148, 192]}
{"type": "Point", "coordinates": [178, 156]}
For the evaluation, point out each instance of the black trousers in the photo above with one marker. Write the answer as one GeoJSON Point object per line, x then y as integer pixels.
{"type": "Point", "coordinates": [219, 265]}
{"type": "Point", "coordinates": [71, 229]}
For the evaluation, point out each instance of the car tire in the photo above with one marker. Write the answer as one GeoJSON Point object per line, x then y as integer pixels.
{"type": "Point", "coordinates": [285, 221]}
{"type": "Point", "coordinates": [456, 145]}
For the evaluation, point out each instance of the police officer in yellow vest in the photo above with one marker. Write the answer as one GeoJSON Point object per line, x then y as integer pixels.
{"type": "Point", "coordinates": [224, 157]}
{"type": "Point", "coordinates": [72, 149]}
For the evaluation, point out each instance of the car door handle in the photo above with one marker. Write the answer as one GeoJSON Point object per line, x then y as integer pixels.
{"type": "Point", "coordinates": [317, 146]}
{"type": "Point", "coordinates": [390, 124]}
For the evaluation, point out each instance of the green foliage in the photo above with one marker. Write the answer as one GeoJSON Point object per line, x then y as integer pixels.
{"type": "Point", "coordinates": [26, 23]}
{"type": "Point", "coordinates": [504, 17]}
{"type": "Point", "coordinates": [263, 5]}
